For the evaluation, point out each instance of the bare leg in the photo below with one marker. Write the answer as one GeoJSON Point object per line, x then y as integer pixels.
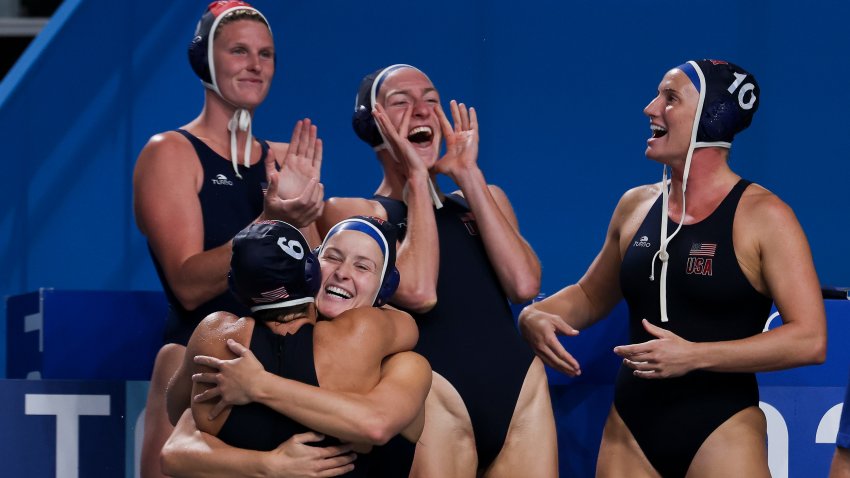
{"type": "Point", "coordinates": [738, 447]}
{"type": "Point", "coordinates": [619, 452]}
{"type": "Point", "coordinates": [157, 426]}
{"type": "Point", "coordinates": [531, 445]}
{"type": "Point", "coordinates": [840, 463]}
{"type": "Point", "coordinates": [446, 448]}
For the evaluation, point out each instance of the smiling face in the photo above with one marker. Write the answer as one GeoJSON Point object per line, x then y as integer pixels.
{"type": "Point", "coordinates": [410, 88]}
{"type": "Point", "coordinates": [671, 117]}
{"type": "Point", "coordinates": [243, 52]}
{"type": "Point", "coordinates": [352, 264]}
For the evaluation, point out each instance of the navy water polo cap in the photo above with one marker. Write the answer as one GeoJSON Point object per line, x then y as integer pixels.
{"type": "Point", "coordinates": [362, 121]}
{"type": "Point", "coordinates": [272, 266]}
{"type": "Point", "coordinates": [201, 47]}
{"type": "Point", "coordinates": [729, 97]}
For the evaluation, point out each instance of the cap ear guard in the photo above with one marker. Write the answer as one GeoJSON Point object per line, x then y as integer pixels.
{"type": "Point", "coordinates": [731, 99]}
{"type": "Point", "coordinates": [271, 266]}
{"type": "Point", "coordinates": [365, 126]}
{"type": "Point", "coordinates": [198, 57]}
{"type": "Point", "coordinates": [388, 287]}
{"type": "Point", "coordinates": [312, 273]}
{"type": "Point", "coordinates": [362, 121]}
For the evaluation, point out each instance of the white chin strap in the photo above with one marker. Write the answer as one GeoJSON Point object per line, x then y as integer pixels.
{"type": "Point", "coordinates": [433, 190]}
{"type": "Point", "coordinates": [241, 121]}
{"type": "Point", "coordinates": [665, 202]}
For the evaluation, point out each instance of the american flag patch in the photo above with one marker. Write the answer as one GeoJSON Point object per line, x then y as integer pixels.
{"type": "Point", "coordinates": [271, 296]}
{"type": "Point", "coordinates": [703, 249]}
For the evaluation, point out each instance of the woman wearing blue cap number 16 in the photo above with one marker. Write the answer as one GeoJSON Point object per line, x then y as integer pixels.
{"type": "Point", "coordinates": [699, 258]}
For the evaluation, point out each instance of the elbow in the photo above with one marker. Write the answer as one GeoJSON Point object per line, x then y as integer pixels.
{"type": "Point", "coordinates": [168, 461]}
{"type": "Point", "coordinates": [525, 290]}
{"type": "Point", "coordinates": [812, 350]}
{"type": "Point", "coordinates": [377, 430]}
{"type": "Point", "coordinates": [187, 301]}
{"type": "Point", "coordinates": [420, 301]}
{"type": "Point", "coordinates": [817, 353]}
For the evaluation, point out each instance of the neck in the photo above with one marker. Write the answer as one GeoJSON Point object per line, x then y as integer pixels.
{"type": "Point", "coordinates": [710, 179]}
{"type": "Point", "coordinates": [286, 324]}
{"type": "Point", "coordinates": [394, 180]}
{"type": "Point", "coordinates": [212, 123]}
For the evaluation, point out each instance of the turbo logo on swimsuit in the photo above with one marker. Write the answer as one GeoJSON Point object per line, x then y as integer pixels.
{"type": "Point", "coordinates": [643, 242]}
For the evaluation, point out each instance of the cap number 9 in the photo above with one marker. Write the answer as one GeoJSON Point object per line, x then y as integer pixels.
{"type": "Point", "coordinates": [293, 248]}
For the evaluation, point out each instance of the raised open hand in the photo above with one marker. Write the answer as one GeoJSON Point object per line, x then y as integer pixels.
{"type": "Point", "coordinates": [294, 193]}
{"type": "Point", "coordinates": [397, 140]}
{"type": "Point", "coordinates": [303, 160]}
{"type": "Point", "coordinates": [461, 139]}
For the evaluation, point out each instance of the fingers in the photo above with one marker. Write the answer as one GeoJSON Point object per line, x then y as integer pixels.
{"type": "Point", "coordinates": [207, 395]}
{"type": "Point", "coordinates": [629, 351]}
{"type": "Point", "coordinates": [308, 137]}
{"type": "Point", "coordinates": [307, 437]}
{"type": "Point", "coordinates": [308, 205]}
{"type": "Point", "coordinates": [404, 129]}
{"type": "Point", "coordinates": [473, 120]}
{"type": "Point", "coordinates": [445, 125]}
{"type": "Point", "coordinates": [317, 157]}
{"type": "Point", "coordinates": [217, 409]}
{"type": "Point", "coordinates": [385, 125]}
{"type": "Point", "coordinates": [455, 116]}
{"type": "Point", "coordinates": [643, 366]}
{"type": "Point", "coordinates": [559, 358]}
{"type": "Point", "coordinates": [464, 117]}
{"type": "Point", "coordinates": [271, 188]}
{"type": "Point", "coordinates": [211, 362]}
{"type": "Point", "coordinates": [564, 328]}
{"type": "Point", "coordinates": [339, 465]}
{"type": "Point", "coordinates": [205, 378]}
{"type": "Point", "coordinates": [271, 167]}
{"type": "Point", "coordinates": [295, 140]}
{"type": "Point", "coordinates": [237, 348]}
{"type": "Point", "coordinates": [644, 369]}
{"type": "Point", "coordinates": [655, 330]}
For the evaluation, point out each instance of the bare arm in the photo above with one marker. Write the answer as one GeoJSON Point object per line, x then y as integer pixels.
{"type": "Point", "coordinates": [419, 253]}
{"type": "Point", "coordinates": [513, 259]}
{"type": "Point", "coordinates": [373, 417]}
{"type": "Point", "coordinates": [166, 182]}
{"type": "Point", "coordinates": [840, 467]}
{"type": "Point", "coordinates": [347, 406]}
{"type": "Point", "coordinates": [775, 256]}
{"type": "Point", "coordinates": [190, 452]}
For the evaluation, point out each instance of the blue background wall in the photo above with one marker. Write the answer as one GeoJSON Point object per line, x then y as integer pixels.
{"type": "Point", "coordinates": [559, 87]}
